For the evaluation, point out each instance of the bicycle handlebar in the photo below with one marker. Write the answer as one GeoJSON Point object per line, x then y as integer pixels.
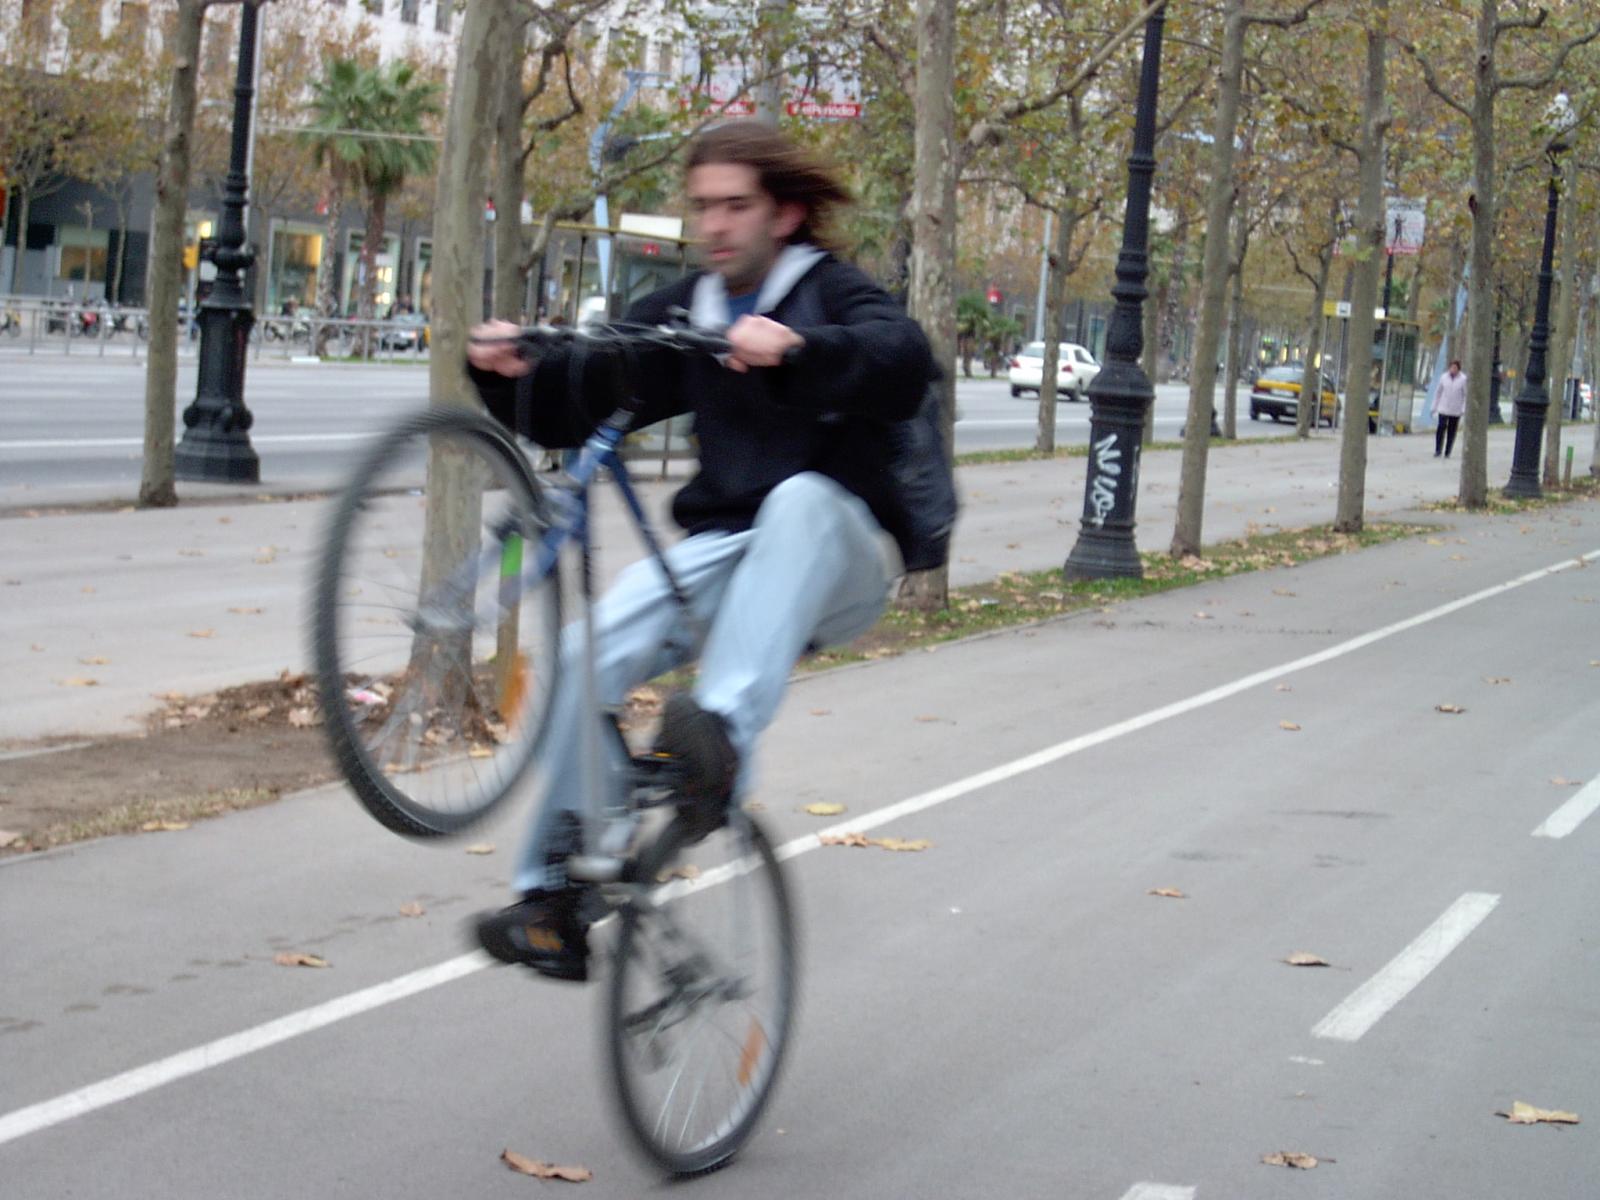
{"type": "Point", "coordinates": [530, 339]}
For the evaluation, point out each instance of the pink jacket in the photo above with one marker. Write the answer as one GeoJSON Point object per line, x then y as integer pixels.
{"type": "Point", "coordinates": [1452, 398]}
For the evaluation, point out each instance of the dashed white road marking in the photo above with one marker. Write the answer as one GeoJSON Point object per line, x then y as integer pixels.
{"type": "Point", "coordinates": [1158, 1191]}
{"type": "Point", "coordinates": [1571, 814]}
{"type": "Point", "coordinates": [1366, 1006]}
{"type": "Point", "coordinates": [32, 1119]}
{"type": "Point", "coordinates": [1308, 1062]}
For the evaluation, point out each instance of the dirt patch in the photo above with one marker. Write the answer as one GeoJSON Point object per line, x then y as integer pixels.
{"type": "Point", "coordinates": [200, 756]}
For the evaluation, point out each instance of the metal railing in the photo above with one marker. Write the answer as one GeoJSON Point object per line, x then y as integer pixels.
{"type": "Point", "coordinates": [39, 325]}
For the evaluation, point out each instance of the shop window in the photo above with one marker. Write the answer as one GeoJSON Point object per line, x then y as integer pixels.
{"type": "Point", "coordinates": [408, 11]}
{"type": "Point", "coordinates": [83, 254]}
{"type": "Point", "coordinates": [442, 12]}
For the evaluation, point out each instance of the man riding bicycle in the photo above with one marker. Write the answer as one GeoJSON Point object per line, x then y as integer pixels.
{"type": "Point", "coordinates": [805, 466]}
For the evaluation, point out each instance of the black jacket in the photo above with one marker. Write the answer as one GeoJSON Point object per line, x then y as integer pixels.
{"type": "Point", "coordinates": [841, 408]}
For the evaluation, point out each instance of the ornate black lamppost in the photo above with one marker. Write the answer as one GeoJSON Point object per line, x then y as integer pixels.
{"type": "Point", "coordinates": [1121, 392]}
{"type": "Point", "coordinates": [216, 435]}
{"type": "Point", "coordinates": [1533, 401]}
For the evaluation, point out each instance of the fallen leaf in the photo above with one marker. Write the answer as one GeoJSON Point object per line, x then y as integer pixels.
{"type": "Point", "coordinates": [163, 826]}
{"type": "Point", "coordinates": [754, 806]}
{"type": "Point", "coordinates": [202, 633]}
{"type": "Point", "coordinates": [246, 612]}
{"type": "Point", "coordinates": [1449, 708]}
{"type": "Point", "coordinates": [192, 553]}
{"type": "Point", "coordinates": [412, 910]}
{"type": "Point", "coordinates": [1283, 687]}
{"type": "Point", "coordinates": [1202, 616]}
{"type": "Point", "coordinates": [1290, 1158]}
{"type": "Point", "coordinates": [1289, 725]}
{"type": "Point", "coordinates": [861, 839]}
{"type": "Point", "coordinates": [7, 838]}
{"type": "Point", "coordinates": [1168, 893]}
{"type": "Point", "coordinates": [822, 712]}
{"type": "Point", "coordinates": [302, 718]}
{"type": "Point", "coordinates": [1563, 781]}
{"type": "Point", "coordinates": [912, 845]}
{"type": "Point", "coordinates": [1594, 662]}
{"type": "Point", "coordinates": [78, 681]}
{"type": "Point", "coordinates": [1494, 679]}
{"type": "Point", "coordinates": [38, 649]}
{"type": "Point", "coordinates": [1523, 1113]}
{"type": "Point", "coordinates": [824, 808]}
{"type": "Point", "coordinates": [929, 720]}
{"type": "Point", "coordinates": [481, 848]}
{"type": "Point", "coordinates": [543, 1170]}
{"type": "Point", "coordinates": [1458, 558]}
{"type": "Point", "coordinates": [1435, 541]}
{"type": "Point", "coordinates": [95, 661]}
{"type": "Point", "coordinates": [293, 958]}
{"type": "Point", "coordinates": [87, 590]}
{"type": "Point", "coordinates": [1282, 592]}
{"type": "Point", "coordinates": [480, 752]}
{"type": "Point", "coordinates": [1301, 959]}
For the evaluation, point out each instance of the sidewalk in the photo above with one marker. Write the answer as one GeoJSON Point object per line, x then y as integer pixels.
{"type": "Point", "coordinates": [105, 610]}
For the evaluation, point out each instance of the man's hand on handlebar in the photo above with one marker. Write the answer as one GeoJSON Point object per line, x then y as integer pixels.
{"type": "Point", "coordinates": [759, 342]}
{"type": "Point", "coordinates": [501, 357]}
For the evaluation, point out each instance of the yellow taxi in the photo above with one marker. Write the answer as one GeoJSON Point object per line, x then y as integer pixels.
{"type": "Point", "coordinates": [1276, 394]}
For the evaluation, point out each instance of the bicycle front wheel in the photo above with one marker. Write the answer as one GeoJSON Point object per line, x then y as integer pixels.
{"type": "Point", "coordinates": [701, 994]}
{"type": "Point", "coordinates": [435, 661]}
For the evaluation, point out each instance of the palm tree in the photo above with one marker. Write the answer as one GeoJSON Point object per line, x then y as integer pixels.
{"type": "Point", "coordinates": [368, 129]}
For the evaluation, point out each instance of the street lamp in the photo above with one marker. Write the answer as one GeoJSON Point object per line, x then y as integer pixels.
{"type": "Point", "coordinates": [216, 436]}
{"type": "Point", "coordinates": [1121, 392]}
{"type": "Point", "coordinates": [1533, 401]}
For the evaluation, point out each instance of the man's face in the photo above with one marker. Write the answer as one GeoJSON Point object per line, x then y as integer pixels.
{"type": "Point", "coordinates": [740, 227]}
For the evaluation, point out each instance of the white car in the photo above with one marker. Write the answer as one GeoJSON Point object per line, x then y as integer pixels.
{"type": "Point", "coordinates": [1076, 369]}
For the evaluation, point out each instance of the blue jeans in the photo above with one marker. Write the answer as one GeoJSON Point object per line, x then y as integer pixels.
{"type": "Point", "coordinates": [811, 570]}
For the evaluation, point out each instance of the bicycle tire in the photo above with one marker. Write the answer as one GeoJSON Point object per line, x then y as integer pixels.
{"type": "Point", "coordinates": [759, 1054]}
{"type": "Point", "coordinates": [434, 711]}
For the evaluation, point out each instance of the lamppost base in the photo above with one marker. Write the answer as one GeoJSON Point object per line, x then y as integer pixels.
{"type": "Point", "coordinates": [1102, 555]}
{"type": "Point", "coordinates": [208, 457]}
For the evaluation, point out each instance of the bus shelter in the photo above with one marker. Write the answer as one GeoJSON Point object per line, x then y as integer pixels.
{"type": "Point", "coordinates": [1393, 396]}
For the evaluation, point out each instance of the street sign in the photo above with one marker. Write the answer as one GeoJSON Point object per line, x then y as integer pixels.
{"type": "Point", "coordinates": [1336, 308]}
{"type": "Point", "coordinates": [1404, 224]}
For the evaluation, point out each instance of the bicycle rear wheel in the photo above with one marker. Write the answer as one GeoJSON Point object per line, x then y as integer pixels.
{"type": "Point", "coordinates": [701, 994]}
{"type": "Point", "coordinates": [434, 663]}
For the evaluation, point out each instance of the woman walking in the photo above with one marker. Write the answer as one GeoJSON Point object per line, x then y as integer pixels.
{"type": "Point", "coordinates": [1448, 406]}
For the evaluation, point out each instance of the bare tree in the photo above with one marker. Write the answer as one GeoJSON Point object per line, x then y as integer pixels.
{"type": "Point", "coordinates": [157, 487]}
{"type": "Point", "coordinates": [933, 244]}
{"type": "Point", "coordinates": [1487, 85]}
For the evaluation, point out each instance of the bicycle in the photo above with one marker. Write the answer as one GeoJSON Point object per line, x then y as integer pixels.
{"type": "Point", "coordinates": [436, 666]}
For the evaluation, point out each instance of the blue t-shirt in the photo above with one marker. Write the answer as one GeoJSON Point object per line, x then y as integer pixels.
{"type": "Point", "coordinates": [742, 306]}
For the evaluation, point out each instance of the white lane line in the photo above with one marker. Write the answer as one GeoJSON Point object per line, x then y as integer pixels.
{"type": "Point", "coordinates": [154, 1075]}
{"type": "Point", "coordinates": [127, 443]}
{"type": "Point", "coordinates": [1158, 1191]}
{"type": "Point", "coordinates": [213, 1054]}
{"type": "Point", "coordinates": [1571, 814]}
{"type": "Point", "coordinates": [1364, 1007]}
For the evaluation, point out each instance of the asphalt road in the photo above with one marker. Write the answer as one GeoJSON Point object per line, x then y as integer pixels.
{"type": "Point", "coordinates": [71, 428]}
{"type": "Point", "coordinates": [1008, 1013]}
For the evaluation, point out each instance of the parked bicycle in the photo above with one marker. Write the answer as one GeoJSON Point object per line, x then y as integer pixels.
{"type": "Point", "coordinates": [438, 636]}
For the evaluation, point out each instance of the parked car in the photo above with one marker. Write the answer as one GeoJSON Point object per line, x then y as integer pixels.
{"type": "Point", "coordinates": [408, 331]}
{"type": "Point", "coordinates": [1076, 369]}
{"type": "Point", "coordinates": [1276, 394]}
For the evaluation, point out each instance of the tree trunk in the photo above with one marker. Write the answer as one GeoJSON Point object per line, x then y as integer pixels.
{"type": "Point", "coordinates": [1050, 369]}
{"type": "Point", "coordinates": [1230, 385]}
{"type": "Point", "coordinates": [329, 268]}
{"type": "Point", "coordinates": [1213, 287]}
{"type": "Point", "coordinates": [1311, 378]}
{"type": "Point", "coordinates": [157, 487]}
{"type": "Point", "coordinates": [1474, 487]}
{"type": "Point", "coordinates": [933, 245]}
{"type": "Point", "coordinates": [1566, 325]}
{"type": "Point", "coordinates": [510, 275]}
{"type": "Point", "coordinates": [1370, 253]}
{"type": "Point", "coordinates": [24, 202]}
{"type": "Point", "coordinates": [371, 244]}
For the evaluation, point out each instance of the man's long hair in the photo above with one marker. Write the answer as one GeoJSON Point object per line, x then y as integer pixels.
{"type": "Point", "coordinates": [788, 172]}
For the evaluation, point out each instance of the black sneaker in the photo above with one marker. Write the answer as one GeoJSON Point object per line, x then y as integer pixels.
{"type": "Point", "coordinates": [542, 930]}
{"type": "Point", "coordinates": [710, 763]}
